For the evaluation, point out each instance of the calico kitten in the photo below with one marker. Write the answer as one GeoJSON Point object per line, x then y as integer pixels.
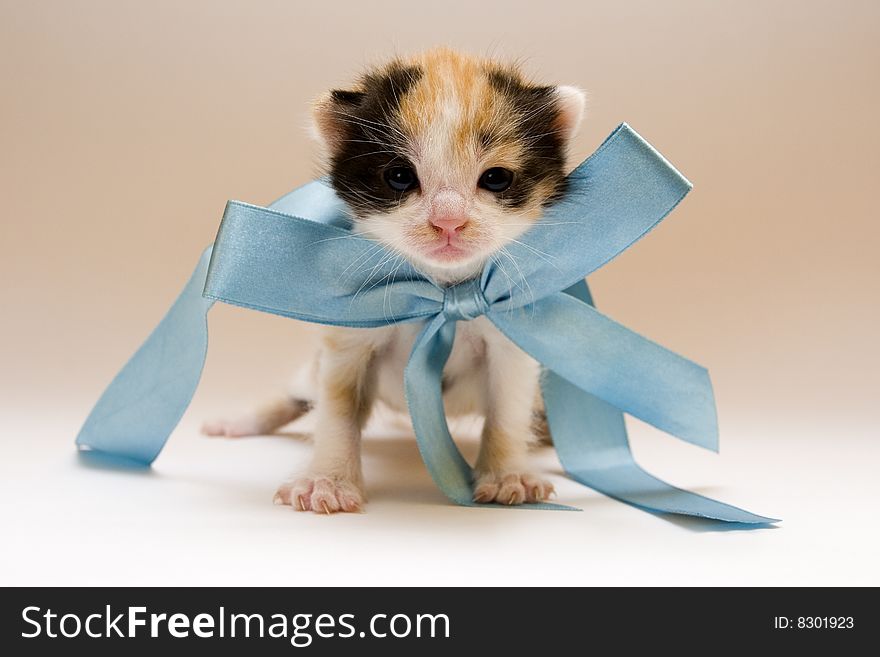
{"type": "Point", "coordinates": [444, 159]}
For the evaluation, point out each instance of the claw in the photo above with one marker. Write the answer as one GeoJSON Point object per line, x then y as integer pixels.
{"type": "Point", "coordinates": [300, 505]}
{"type": "Point", "coordinates": [324, 506]}
{"type": "Point", "coordinates": [512, 498]}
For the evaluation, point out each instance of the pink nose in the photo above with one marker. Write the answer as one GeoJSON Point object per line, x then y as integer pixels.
{"type": "Point", "coordinates": [450, 225]}
{"type": "Point", "coordinates": [448, 211]}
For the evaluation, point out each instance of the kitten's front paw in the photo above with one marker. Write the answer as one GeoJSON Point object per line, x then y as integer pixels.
{"type": "Point", "coordinates": [321, 495]}
{"type": "Point", "coordinates": [511, 488]}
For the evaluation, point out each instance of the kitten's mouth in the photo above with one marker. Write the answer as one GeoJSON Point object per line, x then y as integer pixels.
{"type": "Point", "coordinates": [449, 252]}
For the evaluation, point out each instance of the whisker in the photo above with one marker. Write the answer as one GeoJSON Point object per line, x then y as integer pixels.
{"type": "Point", "coordinates": [525, 281]}
{"type": "Point", "coordinates": [546, 257]}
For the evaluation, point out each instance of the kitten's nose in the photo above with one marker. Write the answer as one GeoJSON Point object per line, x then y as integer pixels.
{"type": "Point", "coordinates": [448, 211]}
{"type": "Point", "coordinates": [450, 225]}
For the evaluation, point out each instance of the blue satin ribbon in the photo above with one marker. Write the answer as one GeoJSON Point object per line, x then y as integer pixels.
{"type": "Point", "coordinates": [299, 258]}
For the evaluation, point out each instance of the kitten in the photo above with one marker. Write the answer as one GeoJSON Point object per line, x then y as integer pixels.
{"type": "Point", "coordinates": [443, 159]}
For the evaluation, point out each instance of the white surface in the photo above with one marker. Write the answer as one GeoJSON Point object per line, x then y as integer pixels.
{"type": "Point", "coordinates": [204, 515]}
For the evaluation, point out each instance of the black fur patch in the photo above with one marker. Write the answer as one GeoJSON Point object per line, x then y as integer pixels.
{"type": "Point", "coordinates": [343, 97]}
{"type": "Point", "coordinates": [537, 127]}
{"type": "Point", "coordinates": [371, 141]}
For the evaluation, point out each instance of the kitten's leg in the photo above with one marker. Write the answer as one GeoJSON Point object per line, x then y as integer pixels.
{"type": "Point", "coordinates": [264, 420]}
{"type": "Point", "coordinates": [334, 481]}
{"type": "Point", "coordinates": [298, 401]}
{"type": "Point", "coordinates": [501, 470]}
{"type": "Point", "coordinates": [540, 425]}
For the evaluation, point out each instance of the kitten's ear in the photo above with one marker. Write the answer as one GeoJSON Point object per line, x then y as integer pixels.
{"type": "Point", "coordinates": [572, 103]}
{"type": "Point", "coordinates": [330, 116]}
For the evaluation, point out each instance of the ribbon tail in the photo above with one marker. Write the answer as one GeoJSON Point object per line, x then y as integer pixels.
{"type": "Point", "coordinates": [140, 408]}
{"type": "Point", "coordinates": [591, 439]}
{"type": "Point", "coordinates": [424, 396]}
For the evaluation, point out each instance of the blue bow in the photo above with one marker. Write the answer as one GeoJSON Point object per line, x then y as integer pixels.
{"type": "Point", "coordinates": [300, 259]}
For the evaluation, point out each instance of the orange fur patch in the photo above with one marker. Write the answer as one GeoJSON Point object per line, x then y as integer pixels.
{"type": "Point", "coordinates": [454, 91]}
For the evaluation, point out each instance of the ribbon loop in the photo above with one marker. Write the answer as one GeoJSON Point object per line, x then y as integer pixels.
{"type": "Point", "coordinates": [464, 301]}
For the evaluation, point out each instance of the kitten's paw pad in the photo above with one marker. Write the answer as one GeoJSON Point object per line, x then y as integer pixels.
{"type": "Point", "coordinates": [237, 428]}
{"type": "Point", "coordinates": [321, 495]}
{"type": "Point", "coordinates": [512, 489]}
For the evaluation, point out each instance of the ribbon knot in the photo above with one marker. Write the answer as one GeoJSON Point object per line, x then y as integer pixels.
{"type": "Point", "coordinates": [299, 258]}
{"type": "Point", "coordinates": [464, 301]}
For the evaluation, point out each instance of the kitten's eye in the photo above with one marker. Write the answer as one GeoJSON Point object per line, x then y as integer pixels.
{"type": "Point", "coordinates": [401, 179]}
{"type": "Point", "coordinates": [496, 179]}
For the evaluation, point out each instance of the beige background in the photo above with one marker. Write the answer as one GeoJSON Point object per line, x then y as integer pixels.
{"type": "Point", "coordinates": [125, 126]}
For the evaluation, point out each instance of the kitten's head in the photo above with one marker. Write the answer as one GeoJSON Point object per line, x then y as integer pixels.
{"type": "Point", "coordinates": [445, 158]}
